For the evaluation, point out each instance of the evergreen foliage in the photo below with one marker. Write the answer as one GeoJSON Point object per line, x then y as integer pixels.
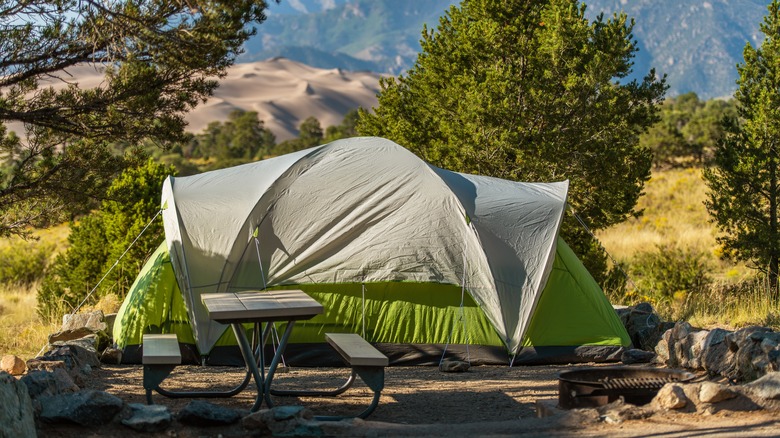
{"type": "Point", "coordinates": [530, 91]}
{"type": "Point", "coordinates": [160, 59]}
{"type": "Point", "coordinates": [242, 137]}
{"type": "Point", "coordinates": [100, 239]}
{"type": "Point", "coordinates": [744, 182]}
{"type": "Point", "coordinates": [309, 134]}
{"type": "Point", "coordinates": [688, 130]}
{"type": "Point", "coordinates": [347, 128]}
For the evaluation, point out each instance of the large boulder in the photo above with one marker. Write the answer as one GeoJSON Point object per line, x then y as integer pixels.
{"type": "Point", "coordinates": [643, 325]}
{"type": "Point", "coordinates": [17, 418]}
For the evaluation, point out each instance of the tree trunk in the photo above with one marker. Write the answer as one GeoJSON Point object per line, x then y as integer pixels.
{"type": "Point", "coordinates": [774, 294]}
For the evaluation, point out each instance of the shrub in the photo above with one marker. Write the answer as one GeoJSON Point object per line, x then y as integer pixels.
{"type": "Point", "coordinates": [670, 273]}
{"type": "Point", "coordinates": [23, 263]}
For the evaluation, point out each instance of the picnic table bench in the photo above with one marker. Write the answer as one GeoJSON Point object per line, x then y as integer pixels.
{"type": "Point", "coordinates": [364, 359]}
{"type": "Point", "coordinates": [160, 355]}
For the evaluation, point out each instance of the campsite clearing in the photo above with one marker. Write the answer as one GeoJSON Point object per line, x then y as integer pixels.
{"type": "Point", "coordinates": [419, 401]}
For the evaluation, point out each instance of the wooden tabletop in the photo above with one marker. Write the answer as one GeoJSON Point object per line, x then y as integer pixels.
{"type": "Point", "coordinates": [261, 306]}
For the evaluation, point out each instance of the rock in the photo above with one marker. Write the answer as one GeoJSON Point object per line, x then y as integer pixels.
{"type": "Point", "coordinates": [766, 387]}
{"type": "Point", "coordinates": [256, 421]}
{"type": "Point", "coordinates": [45, 365]}
{"type": "Point", "coordinates": [148, 418]}
{"type": "Point", "coordinates": [17, 418]}
{"type": "Point", "coordinates": [692, 347]}
{"type": "Point", "coordinates": [711, 392]}
{"type": "Point", "coordinates": [201, 413]}
{"type": "Point", "coordinates": [681, 330]}
{"type": "Point", "coordinates": [717, 358]}
{"type": "Point", "coordinates": [92, 320]}
{"type": "Point", "coordinates": [49, 383]}
{"type": "Point", "coordinates": [110, 319]}
{"type": "Point", "coordinates": [89, 342]}
{"type": "Point", "coordinates": [662, 353]}
{"type": "Point", "coordinates": [70, 335]}
{"type": "Point", "coordinates": [548, 408]}
{"type": "Point", "coordinates": [750, 361]}
{"type": "Point", "coordinates": [644, 327]}
{"type": "Point", "coordinates": [619, 411]}
{"type": "Point", "coordinates": [112, 356]}
{"type": "Point", "coordinates": [78, 360]}
{"type": "Point", "coordinates": [454, 366]}
{"type": "Point", "coordinates": [13, 365]}
{"type": "Point", "coordinates": [87, 408]}
{"type": "Point", "coordinates": [671, 396]}
{"type": "Point", "coordinates": [634, 355]}
{"type": "Point", "coordinates": [669, 348]}
{"type": "Point", "coordinates": [284, 421]}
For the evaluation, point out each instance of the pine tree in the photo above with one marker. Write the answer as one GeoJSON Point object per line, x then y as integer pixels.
{"type": "Point", "coordinates": [744, 182]}
{"type": "Point", "coordinates": [529, 90]}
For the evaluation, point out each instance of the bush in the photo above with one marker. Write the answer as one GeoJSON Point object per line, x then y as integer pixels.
{"type": "Point", "coordinates": [23, 263]}
{"type": "Point", "coordinates": [670, 274]}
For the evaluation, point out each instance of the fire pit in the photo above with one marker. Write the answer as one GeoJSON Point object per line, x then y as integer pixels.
{"type": "Point", "coordinates": [592, 387]}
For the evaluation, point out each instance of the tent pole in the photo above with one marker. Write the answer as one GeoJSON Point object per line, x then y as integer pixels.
{"type": "Point", "coordinates": [259, 259]}
{"type": "Point", "coordinates": [363, 290]}
{"type": "Point", "coordinates": [462, 312]}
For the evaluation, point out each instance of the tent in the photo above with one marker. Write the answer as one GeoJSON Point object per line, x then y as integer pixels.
{"type": "Point", "coordinates": [422, 261]}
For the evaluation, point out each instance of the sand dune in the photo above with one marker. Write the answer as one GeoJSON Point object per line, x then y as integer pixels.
{"type": "Point", "coordinates": [284, 93]}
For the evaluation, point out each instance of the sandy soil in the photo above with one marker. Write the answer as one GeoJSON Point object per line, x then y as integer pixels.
{"type": "Point", "coordinates": [420, 401]}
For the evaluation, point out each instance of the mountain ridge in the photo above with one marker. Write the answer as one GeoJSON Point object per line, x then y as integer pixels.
{"type": "Point", "coordinates": [697, 44]}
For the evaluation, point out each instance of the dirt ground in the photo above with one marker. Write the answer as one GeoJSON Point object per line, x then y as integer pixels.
{"type": "Point", "coordinates": [417, 401]}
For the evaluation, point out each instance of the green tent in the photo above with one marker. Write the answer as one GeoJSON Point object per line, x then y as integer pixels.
{"type": "Point", "coordinates": [423, 262]}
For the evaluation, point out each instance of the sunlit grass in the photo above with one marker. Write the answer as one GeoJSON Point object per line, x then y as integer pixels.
{"type": "Point", "coordinates": [22, 332]}
{"type": "Point", "coordinates": [673, 210]}
{"type": "Point", "coordinates": [674, 214]}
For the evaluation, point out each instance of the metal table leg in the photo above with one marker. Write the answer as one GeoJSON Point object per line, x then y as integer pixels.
{"type": "Point", "coordinates": [275, 362]}
{"type": "Point", "coordinates": [251, 363]}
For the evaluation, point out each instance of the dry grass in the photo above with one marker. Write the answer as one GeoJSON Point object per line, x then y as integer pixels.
{"type": "Point", "coordinates": [22, 332]}
{"type": "Point", "coordinates": [674, 211]}
{"type": "Point", "coordinates": [674, 214]}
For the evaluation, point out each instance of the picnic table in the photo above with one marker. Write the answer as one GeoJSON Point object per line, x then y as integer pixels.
{"type": "Point", "coordinates": [261, 308]}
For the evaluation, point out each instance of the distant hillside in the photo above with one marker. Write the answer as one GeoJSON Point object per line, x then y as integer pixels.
{"type": "Point", "coordinates": [284, 93]}
{"type": "Point", "coordinates": [698, 44]}
{"type": "Point", "coordinates": [379, 35]}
